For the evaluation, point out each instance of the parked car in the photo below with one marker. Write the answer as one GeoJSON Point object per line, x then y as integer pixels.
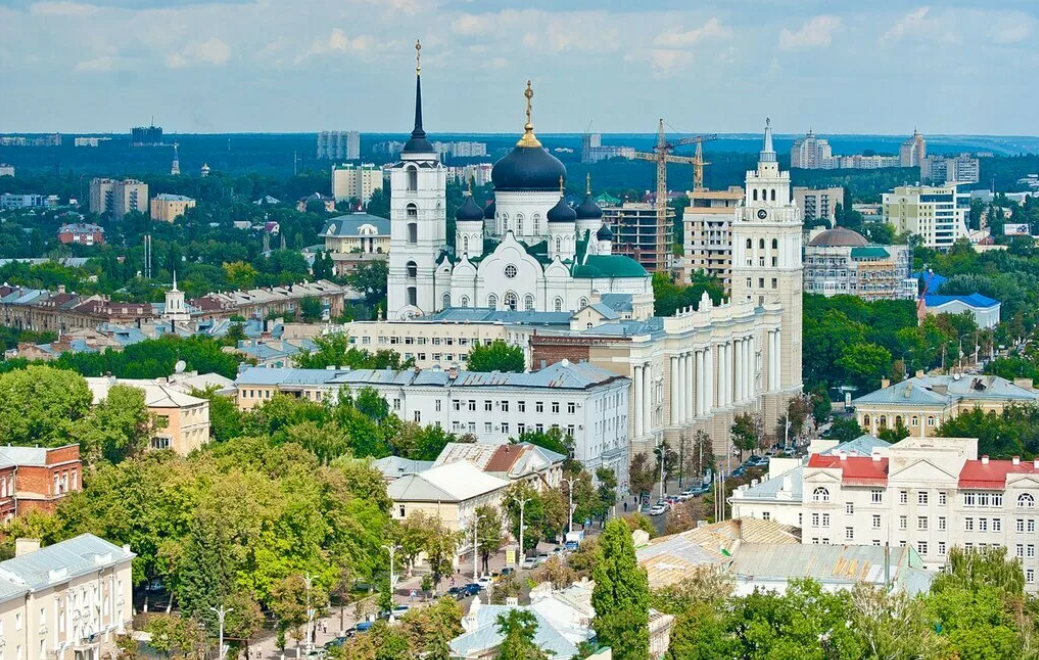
{"type": "Point", "coordinates": [467, 590]}
{"type": "Point", "coordinates": [484, 581]}
{"type": "Point", "coordinates": [339, 641]}
{"type": "Point", "coordinates": [507, 571]}
{"type": "Point", "coordinates": [657, 509]}
{"type": "Point", "coordinates": [572, 546]}
{"type": "Point", "coordinates": [541, 558]}
{"type": "Point", "coordinates": [529, 562]}
{"type": "Point", "coordinates": [363, 626]}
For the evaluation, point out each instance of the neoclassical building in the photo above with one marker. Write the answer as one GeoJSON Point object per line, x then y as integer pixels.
{"type": "Point", "coordinates": [529, 250]}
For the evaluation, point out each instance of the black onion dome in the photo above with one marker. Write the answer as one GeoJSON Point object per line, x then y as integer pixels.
{"type": "Point", "coordinates": [588, 209]}
{"type": "Point", "coordinates": [489, 211]}
{"type": "Point", "coordinates": [528, 168]}
{"type": "Point", "coordinates": [469, 210]}
{"type": "Point", "coordinates": [604, 233]}
{"type": "Point", "coordinates": [561, 212]}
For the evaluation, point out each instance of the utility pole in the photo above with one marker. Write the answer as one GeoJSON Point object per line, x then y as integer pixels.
{"type": "Point", "coordinates": [220, 614]}
{"type": "Point", "coordinates": [570, 509]}
{"type": "Point", "coordinates": [663, 454]}
{"type": "Point", "coordinates": [522, 505]}
{"type": "Point", "coordinates": [392, 549]}
{"type": "Point", "coordinates": [476, 523]}
{"type": "Point", "coordinates": [310, 617]}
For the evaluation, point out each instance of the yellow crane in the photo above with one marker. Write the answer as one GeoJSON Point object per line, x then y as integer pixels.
{"type": "Point", "coordinates": [662, 156]}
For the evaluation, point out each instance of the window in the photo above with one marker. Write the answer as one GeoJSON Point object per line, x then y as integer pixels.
{"type": "Point", "coordinates": [876, 496]}
{"type": "Point", "coordinates": [464, 302]}
{"type": "Point", "coordinates": [1026, 500]}
{"type": "Point", "coordinates": [396, 404]}
{"type": "Point", "coordinates": [876, 521]}
{"type": "Point", "coordinates": [511, 301]}
{"type": "Point", "coordinates": [418, 416]}
{"type": "Point", "coordinates": [18, 621]}
{"type": "Point", "coordinates": [826, 520]}
{"type": "Point", "coordinates": [921, 547]}
{"type": "Point", "coordinates": [930, 420]}
{"type": "Point", "coordinates": [820, 494]}
{"type": "Point", "coordinates": [1030, 575]}
{"type": "Point", "coordinates": [765, 515]}
{"type": "Point", "coordinates": [521, 428]}
{"type": "Point", "coordinates": [582, 303]}
{"type": "Point", "coordinates": [571, 407]}
{"type": "Point", "coordinates": [472, 405]}
{"type": "Point", "coordinates": [528, 303]}
{"type": "Point", "coordinates": [505, 406]}
{"type": "Point", "coordinates": [1020, 550]}
{"type": "Point", "coordinates": [942, 498]}
{"type": "Point", "coordinates": [921, 498]}
{"type": "Point", "coordinates": [941, 548]}
{"type": "Point", "coordinates": [849, 508]}
{"type": "Point", "coordinates": [903, 496]}
{"type": "Point", "coordinates": [505, 428]}
{"type": "Point", "coordinates": [539, 407]}
{"type": "Point", "coordinates": [557, 305]}
{"type": "Point", "coordinates": [1030, 550]}
{"type": "Point", "coordinates": [815, 520]}
{"type": "Point", "coordinates": [849, 533]}
{"type": "Point", "coordinates": [510, 271]}
{"type": "Point", "coordinates": [968, 524]}
{"type": "Point", "coordinates": [1020, 525]}
{"type": "Point", "coordinates": [941, 523]}
{"type": "Point", "coordinates": [555, 407]}
{"type": "Point", "coordinates": [903, 522]}
{"type": "Point", "coordinates": [1031, 526]}
{"type": "Point", "coordinates": [997, 524]}
{"type": "Point", "coordinates": [488, 427]}
{"type": "Point", "coordinates": [492, 301]}
{"type": "Point", "coordinates": [921, 523]}
{"type": "Point", "coordinates": [521, 406]}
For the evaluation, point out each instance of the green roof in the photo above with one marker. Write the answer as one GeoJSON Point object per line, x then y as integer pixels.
{"type": "Point", "coordinates": [539, 251]}
{"type": "Point", "coordinates": [869, 253]}
{"type": "Point", "coordinates": [607, 199]}
{"type": "Point", "coordinates": [613, 265]}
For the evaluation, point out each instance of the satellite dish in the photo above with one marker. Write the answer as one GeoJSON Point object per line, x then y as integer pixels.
{"type": "Point", "coordinates": [180, 366]}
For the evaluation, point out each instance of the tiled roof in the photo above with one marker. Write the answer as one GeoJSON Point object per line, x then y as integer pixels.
{"type": "Point", "coordinates": [855, 470]}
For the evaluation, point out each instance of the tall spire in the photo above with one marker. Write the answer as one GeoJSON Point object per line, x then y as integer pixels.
{"type": "Point", "coordinates": [418, 142]}
{"type": "Point", "coordinates": [768, 154]}
{"type": "Point", "coordinates": [588, 183]}
{"type": "Point", "coordinates": [528, 139]}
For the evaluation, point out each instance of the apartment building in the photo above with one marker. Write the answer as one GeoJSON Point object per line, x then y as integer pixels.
{"type": "Point", "coordinates": [167, 207]}
{"type": "Point", "coordinates": [708, 242]}
{"type": "Point", "coordinates": [35, 478]}
{"type": "Point", "coordinates": [339, 144]}
{"type": "Point", "coordinates": [932, 494]}
{"type": "Point", "coordinates": [840, 261]}
{"type": "Point", "coordinates": [585, 402]}
{"type": "Point", "coordinates": [819, 203]}
{"type": "Point", "coordinates": [940, 170]}
{"type": "Point", "coordinates": [921, 404]}
{"type": "Point", "coordinates": [117, 197]}
{"type": "Point", "coordinates": [937, 214]}
{"type": "Point", "coordinates": [181, 420]}
{"type": "Point", "coordinates": [634, 227]}
{"type": "Point", "coordinates": [67, 601]}
{"type": "Point", "coordinates": [355, 181]}
{"type": "Point", "coordinates": [913, 151]}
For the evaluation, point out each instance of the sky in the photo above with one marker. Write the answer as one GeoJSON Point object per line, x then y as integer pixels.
{"type": "Point", "coordinates": [878, 67]}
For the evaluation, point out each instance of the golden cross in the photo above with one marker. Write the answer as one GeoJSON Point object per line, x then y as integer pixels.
{"type": "Point", "coordinates": [529, 93]}
{"type": "Point", "coordinates": [418, 57]}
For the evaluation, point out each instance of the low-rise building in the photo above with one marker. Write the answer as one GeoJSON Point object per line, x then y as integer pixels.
{"type": "Point", "coordinates": [181, 421]}
{"type": "Point", "coordinates": [329, 203]}
{"type": "Point", "coordinates": [81, 233]}
{"type": "Point", "coordinates": [819, 203]}
{"type": "Point", "coordinates": [167, 208]}
{"type": "Point", "coordinates": [587, 403]}
{"type": "Point", "coordinates": [513, 462]}
{"type": "Point", "coordinates": [36, 478]}
{"type": "Point", "coordinates": [842, 262]}
{"type": "Point", "coordinates": [350, 237]}
{"type": "Point", "coordinates": [983, 309]}
{"type": "Point", "coordinates": [708, 243]}
{"type": "Point", "coordinates": [450, 493]}
{"type": "Point", "coordinates": [923, 403]}
{"type": "Point", "coordinates": [937, 214]}
{"type": "Point", "coordinates": [10, 201]}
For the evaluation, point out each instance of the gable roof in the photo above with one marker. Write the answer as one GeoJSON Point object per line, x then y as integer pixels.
{"type": "Point", "coordinates": [974, 300]}
{"type": "Point", "coordinates": [350, 225]}
{"type": "Point", "coordinates": [855, 470]}
{"type": "Point", "coordinates": [986, 473]}
{"type": "Point", "coordinates": [452, 482]}
{"type": "Point", "coordinates": [485, 636]}
{"type": "Point", "coordinates": [926, 390]}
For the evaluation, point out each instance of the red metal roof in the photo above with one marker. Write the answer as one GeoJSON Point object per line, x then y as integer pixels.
{"type": "Point", "coordinates": [855, 470]}
{"type": "Point", "coordinates": [504, 458]}
{"type": "Point", "coordinates": [992, 475]}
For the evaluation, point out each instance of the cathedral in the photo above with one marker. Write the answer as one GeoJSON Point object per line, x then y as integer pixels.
{"type": "Point", "coordinates": [528, 250]}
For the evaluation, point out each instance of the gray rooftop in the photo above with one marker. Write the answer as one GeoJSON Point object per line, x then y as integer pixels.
{"type": "Point", "coordinates": [54, 564]}
{"type": "Point", "coordinates": [350, 225]}
{"type": "Point", "coordinates": [943, 390]}
{"type": "Point", "coordinates": [486, 637]}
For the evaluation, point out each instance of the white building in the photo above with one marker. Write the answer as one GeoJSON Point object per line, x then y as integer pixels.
{"type": "Point", "coordinates": [339, 144]}
{"type": "Point", "coordinates": [950, 169]}
{"type": "Point", "coordinates": [934, 213]}
{"type": "Point", "coordinates": [529, 250]}
{"type": "Point", "coordinates": [983, 309]}
{"type": "Point", "coordinates": [27, 201]}
{"type": "Point", "coordinates": [587, 403]}
{"type": "Point", "coordinates": [352, 181]}
{"type": "Point", "coordinates": [67, 601]}
{"type": "Point", "coordinates": [6, 170]}
{"type": "Point", "coordinates": [460, 149]}
{"type": "Point", "coordinates": [811, 153]}
{"type": "Point", "coordinates": [928, 493]}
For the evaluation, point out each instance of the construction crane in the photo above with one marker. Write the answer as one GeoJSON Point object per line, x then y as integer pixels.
{"type": "Point", "coordinates": [698, 161]}
{"type": "Point", "coordinates": [662, 156]}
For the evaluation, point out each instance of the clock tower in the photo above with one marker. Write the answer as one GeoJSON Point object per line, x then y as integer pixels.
{"type": "Point", "coordinates": [767, 268]}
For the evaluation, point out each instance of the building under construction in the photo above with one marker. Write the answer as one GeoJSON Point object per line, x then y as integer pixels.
{"type": "Point", "coordinates": [635, 233]}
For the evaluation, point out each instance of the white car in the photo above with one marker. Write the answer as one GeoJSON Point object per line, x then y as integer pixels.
{"type": "Point", "coordinates": [484, 581]}
{"type": "Point", "coordinates": [529, 562]}
{"type": "Point", "coordinates": [657, 509]}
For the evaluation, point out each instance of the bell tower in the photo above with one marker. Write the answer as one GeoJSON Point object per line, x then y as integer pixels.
{"type": "Point", "coordinates": [767, 266]}
{"type": "Point", "coordinates": [418, 222]}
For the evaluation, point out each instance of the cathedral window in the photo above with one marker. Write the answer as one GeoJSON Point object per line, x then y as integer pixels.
{"type": "Point", "coordinates": [504, 223]}
{"type": "Point", "coordinates": [511, 302]}
{"type": "Point", "coordinates": [412, 233]}
{"type": "Point", "coordinates": [775, 244]}
{"type": "Point", "coordinates": [773, 194]}
{"type": "Point", "coordinates": [412, 269]}
{"type": "Point", "coordinates": [755, 194]}
{"type": "Point", "coordinates": [582, 303]}
{"type": "Point", "coordinates": [412, 178]}
{"type": "Point", "coordinates": [447, 300]}
{"type": "Point", "coordinates": [412, 211]}
{"type": "Point", "coordinates": [465, 301]}
{"type": "Point", "coordinates": [492, 301]}
{"type": "Point", "coordinates": [750, 244]}
{"type": "Point", "coordinates": [537, 223]}
{"type": "Point", "coordinates": [465, 244]}
{"type": "Point", "coordinates": [510, 271]}
{"type": "Point", "coordinates": [519, 224]}
{"type": "Point", "coordinates": [558, 304]}
{"type": "Point", "coordinates": [528, 303]}
{"type": "Point", "coordinates": [412, 296]}
{"type": "Point", "coordinates": [559, 245]}
{"type": "Point", "coordinates": [761, 244]}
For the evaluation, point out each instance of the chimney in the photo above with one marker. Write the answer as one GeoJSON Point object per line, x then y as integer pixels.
{"type": "Point", "coordinates": [452, 372]}
{"type": "Point", "coordinates": [61, 288]}
{"type": "Point", "coordinates": [1016, 460]}
{"type": "Point", "coordinates": [1035, 464]}
{"type": "Point", "coordinates": [843, 455]}
{"type": "Point", "coordinates": [919, 373]}
{"type": "Point", "coordinates": [884, 383]}
{"type": "Point", "coordinates": [25, 545]}
{"type": "Point", "coordinates": [984, 460]}
{"type": "Point", "coordinates": [875, 455]}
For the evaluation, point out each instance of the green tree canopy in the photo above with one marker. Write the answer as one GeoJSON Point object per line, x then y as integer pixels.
{"type": "Point", "coordinates": [497, 356]}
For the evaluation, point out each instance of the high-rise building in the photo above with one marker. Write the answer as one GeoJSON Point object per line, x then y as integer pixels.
{"type": "Point", "coordinates": [707, 222]}
{"type": "Point", "coordinates": [634, 228]}
{"type": "Point", "coordinates": [145, 136]}
{"type": "Point", "coordinates": [342, 145]}
{"type": "Point", "coordinates": [937, 214]}
{"type": "Point", "coordinates": [811, 153]}
{"type": "Point", "coordinates": [117, 197]}
{"type": "Point", "coordinates": [819, 203]}
{"type": "Point", "coordinates": [767, 266]}
{"type": "Point", "coordinates": [950, 169]}
{"type": "Point", "coordinates": [351, 181]}
{"type": "Point", "coordinates": [460, 149]}
{"type": "Point", "coordinates": [913, 151]}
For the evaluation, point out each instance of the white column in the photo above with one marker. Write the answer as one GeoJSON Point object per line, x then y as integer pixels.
{"type": "Point", "coordinates": [770, 344]}
{"type": "Point", "coordinates": [708, 363]}
{"type": "Point", "coordinates": [675, 405]}
{"type": "Point", "coordinates": [740, 370]}
{"type": "Point", "coordinates": [691, 387]}
{"type": "Point", "coordinates": [725, 374]}
{"type": "Point", "coordinates": [647, 399]}
{"type": "Point", "coordinates": [638, 401]}
{"type": "Point", "coordinates": [681, 389]}
{"type": "Point", "coordinates": [779, 359]}
{"type": "Point", "coordinates": [700, 382]}
{"type": "Point", "coordinates": [748, 363]}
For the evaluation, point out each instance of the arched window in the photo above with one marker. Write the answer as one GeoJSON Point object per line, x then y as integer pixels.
{"type": "Point", "coordinates": [537, 223]}
{"type": "Point", "coordinates": [504, 223]}
{"type": "Point", "coordinates": [519, 224]}
{"type": "Point", "coordinates": [464, 302]}
{"type": "Point", "coordinates": [559, 245]}
{"type": "Point", "coordinates": [915, 420]}
{"type": "Point", "coordinates": [447, 300]}
{"type": "Point", "coordinates": [775, 244]}
{"type": "Point", "coordinates": [412, 178]}
{"type": "Point", "coordinates": [820, 494]}
{"type": "Point", "coordinates": [412, 269]}
{"type": "Point", "coordinates": [773, 194]}
{"type": "Point", "coordinates": [412, 233]}
{"type": "Point", "coordinates": [898, 421]}
{"type": "Point", "coordinates": [750, 244]}
{"type": "Point", "coordinates": [528, 303]}
{"type": "Point", "coordinates": [558, 304]}
{"type": "Point", "coordinates": [492, 301]}
{"type": "Point", "coordinates": [1026, 500]}
{"type": "Point", "coordinates": [755, 194]}
{"type": "Point", "coordinates": [865, 421]}
{"type": "Point", "coordinates": [465, 244]}
{"type": "Point", "coordinates": [883, 421]}
{"type": "Point", "coordinates": [412, 211]}
{"type": "Point", "coordinates": [761, 244]}
{"type": "Point", "coordinates": [510, 301]}
{"type": "Point", "coordinates": [582, 303]}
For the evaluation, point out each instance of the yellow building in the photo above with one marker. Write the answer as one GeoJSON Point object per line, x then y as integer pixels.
{"type": "Point", "coordinates": [359, 182]}
{"type": "Point", "coordinates": [181, 420]}
{"type": "Point", "coordinates": [934, 213]}
{"type": "Point", "coordinates": [923, 403]}
{"type": "Point", "coordinates": [708, 244]}
{"type": "Point", "coordinates": [167, 208]}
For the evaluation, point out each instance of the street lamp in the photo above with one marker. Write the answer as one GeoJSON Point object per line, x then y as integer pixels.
{"type": "Point", "coordinates": [392, 548]}
{"type": "Point", "coordinates": [220, 614]}
{"type": "Point", "coordinates": [522, 505]}
{"type": "Point", "coordinates": [570, 509]}
{"type": "Point", "coordinates": [310, 616]}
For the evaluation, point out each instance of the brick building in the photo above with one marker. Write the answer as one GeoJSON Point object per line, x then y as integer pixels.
{"type": "Point", "coordinates": [35, 478]}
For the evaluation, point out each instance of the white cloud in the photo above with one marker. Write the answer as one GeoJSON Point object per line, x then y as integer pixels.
{"type": "Point", "coordinates": [815, 33]}
{"type": "Point", "coordinates": [337, 41]}
{"type": "Point", "coordinates": [103, 64]}
{"type": "Point", "coordinates": [212, 52]}
{"type": "Point", "coordinates": [921, 24]}
{"type": "Point", "coordinates": [1013, 28]}
{"type": "Point", "coordinates": [677, 38]}
{"type": "Point", "coordinates": [471, 25]}
{"type": "Point", "coordinates": [63, 8]}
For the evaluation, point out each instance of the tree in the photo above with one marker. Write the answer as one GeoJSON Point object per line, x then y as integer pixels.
{"type": "Point", "coordinates": [173, 634]}
{"type": "Point", "coordinates": [498, 356]}
{"type": "Point", "coordinates": [744, 433]}
{"type": "Point", "coordinates": [701, 633]}
{"type": "Point", "coordinates": [439, 544]}
{"type": "Point", "coordinates": [607, 490]}
{"type": "Point", "coordinates": [240, 275]}
{"type": "Point", "coordinates": [38, 405]}
{"type": "Point", "coordinates": [117, 427]}
{"type": "Point", "coordinates": [488, 534]}
{"type": "Point", "coordinates": [865, 364]}
{"type": "Point", "coordinates": [621, 595]}
{"type": "Point", "coordinates": [334, 350]}
{"type": "Point", "coordinates": [369, 279]}
{"type": "Point", "coordinates": [845, 429]}
{"type": "Point", "coordinates": [641, 475]}
{"type": "Point", "coordinates": [518, 628]}
{"type": "Point", "coordinates": [310, 309]}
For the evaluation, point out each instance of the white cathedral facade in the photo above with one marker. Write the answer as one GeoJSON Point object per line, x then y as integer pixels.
{"type": "Point", "coordinates": [527, 251]}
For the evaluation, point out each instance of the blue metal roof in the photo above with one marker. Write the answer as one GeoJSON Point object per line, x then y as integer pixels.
{"type": "Point", "coordinates": [975, 300]}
